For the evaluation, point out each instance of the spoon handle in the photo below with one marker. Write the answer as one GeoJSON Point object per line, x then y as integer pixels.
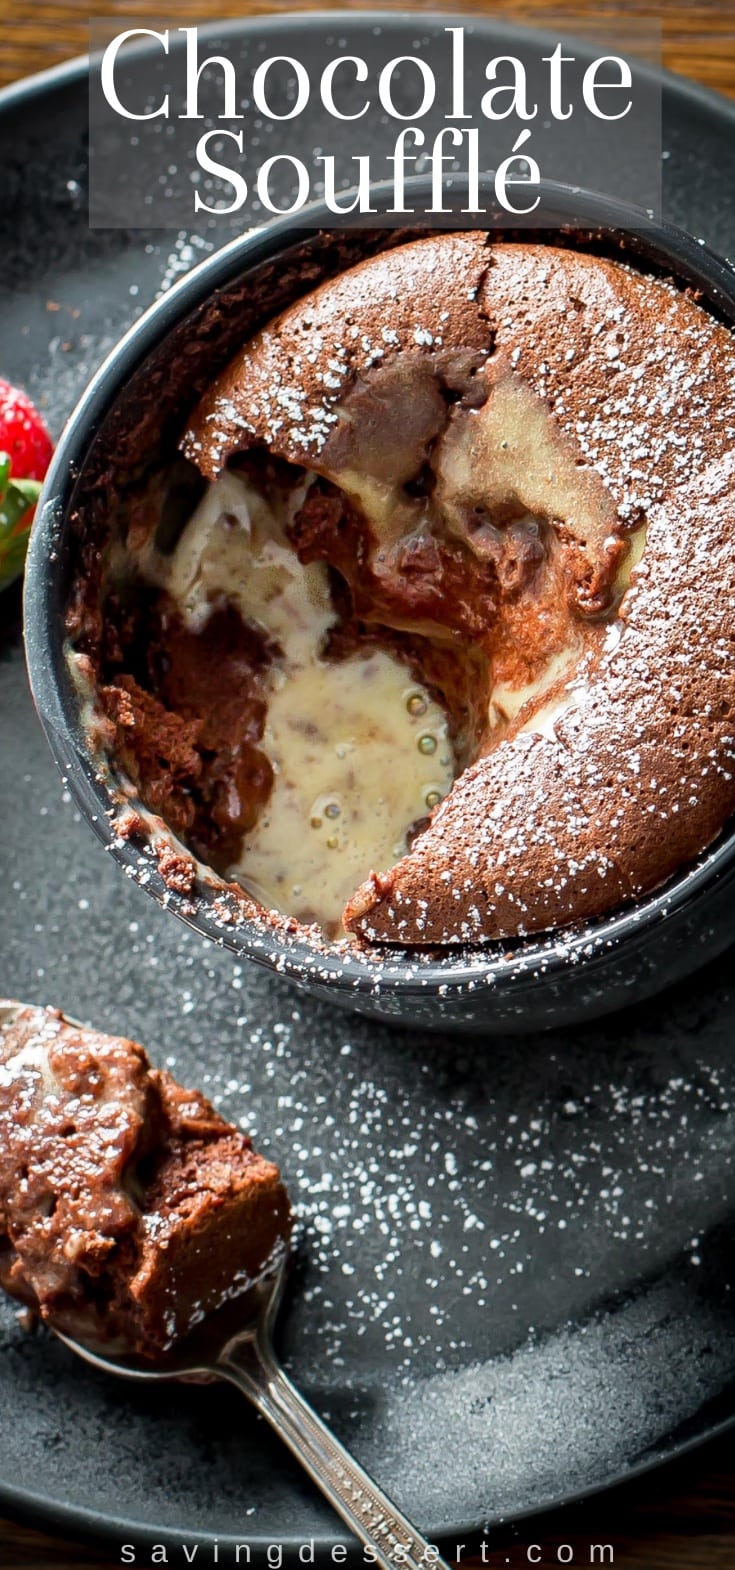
{"type": "Point", "coordinates": [367, 1511]}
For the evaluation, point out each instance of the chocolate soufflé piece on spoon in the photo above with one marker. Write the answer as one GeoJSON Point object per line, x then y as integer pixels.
{"type": "Point", "coordinates": [129, 1209]}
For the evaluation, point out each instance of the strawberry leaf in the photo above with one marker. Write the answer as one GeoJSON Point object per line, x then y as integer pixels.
{"type": "Point", "coordinates": [17, 504]}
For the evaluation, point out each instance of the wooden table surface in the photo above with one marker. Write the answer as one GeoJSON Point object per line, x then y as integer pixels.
{"type": "Point", "coordinates": [683, 1516]}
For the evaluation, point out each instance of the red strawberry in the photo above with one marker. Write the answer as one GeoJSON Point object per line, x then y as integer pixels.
{"type": "Point", "coordinates": [25, 453]}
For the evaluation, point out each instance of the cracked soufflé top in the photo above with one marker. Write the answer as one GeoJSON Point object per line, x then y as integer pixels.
{"type": "Point", "coordinates": [506, 472]}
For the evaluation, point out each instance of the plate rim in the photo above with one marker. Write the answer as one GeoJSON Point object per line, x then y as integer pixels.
{"type": "Point", "coordinates": [90, 1525]}
{"type": "Point", "coordinates": [66, 71]}
{"type": "Point", "coordinates": [94, 1527]}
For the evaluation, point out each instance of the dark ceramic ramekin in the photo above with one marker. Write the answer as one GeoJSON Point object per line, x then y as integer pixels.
{"type": "Point", "coordinates": [141, 396]}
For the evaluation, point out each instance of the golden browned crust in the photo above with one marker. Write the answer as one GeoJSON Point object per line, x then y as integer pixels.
{"type": "Point", "coordinates": [634, 775]}
{"type": "Point", "coordinates": [285, 387]}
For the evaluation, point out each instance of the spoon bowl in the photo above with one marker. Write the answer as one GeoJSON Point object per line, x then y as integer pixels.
{"type": "Point", "coordinates": [234, 1343]}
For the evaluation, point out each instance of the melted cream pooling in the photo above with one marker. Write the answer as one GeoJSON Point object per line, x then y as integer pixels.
{"type": "Point", "coordinates": [360, 752]}
{"type": "Point", "coordinates": [354, 768]}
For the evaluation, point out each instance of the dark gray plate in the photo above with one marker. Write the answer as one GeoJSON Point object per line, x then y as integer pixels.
{"type": "Point", "coordinates": [515, 1283]}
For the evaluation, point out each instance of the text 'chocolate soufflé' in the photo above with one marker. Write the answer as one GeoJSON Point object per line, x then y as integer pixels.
{"type": "Point", "coordinates": [441, 650]}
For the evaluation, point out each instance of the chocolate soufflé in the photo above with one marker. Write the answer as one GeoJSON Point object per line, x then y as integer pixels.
{"type": "Point", "coordinates": [129, 1209]}
{"type": "Point", "coordinates": [427, 639]}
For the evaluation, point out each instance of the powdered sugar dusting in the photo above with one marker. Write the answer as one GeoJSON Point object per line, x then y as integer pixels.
{"type": "Point", "coordinates": [472, 1221]}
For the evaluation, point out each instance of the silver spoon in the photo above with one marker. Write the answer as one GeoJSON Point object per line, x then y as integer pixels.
{"type": "Point", "coordinates": [236, 1344]}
